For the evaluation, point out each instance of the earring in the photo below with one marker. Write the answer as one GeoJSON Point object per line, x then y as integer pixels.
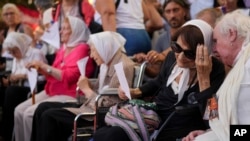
{"type": "Point", "coordinates": [231, 44]}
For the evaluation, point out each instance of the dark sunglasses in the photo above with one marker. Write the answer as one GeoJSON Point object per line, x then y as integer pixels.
{"type": "Point", "coordinates": [190, 54]}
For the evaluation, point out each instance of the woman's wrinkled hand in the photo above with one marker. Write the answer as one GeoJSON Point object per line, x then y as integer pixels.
{"type": "Point", "coordinates": [140, 57]}
{"type": "Point", "coordinates": [84, 84]}
{"type": "Point", "coordinates": [121, 94]}
{"type": "Point", "coordinates": [203, 63]}
{"type": "Point", "coordinates": [34, 64]}
{"type": "Point", "coordinates": [192, 135]}
{"type": "Point", "coordinates": [154, 57]}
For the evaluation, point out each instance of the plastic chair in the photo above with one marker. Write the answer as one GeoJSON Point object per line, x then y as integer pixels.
{"type": "Point", "coordinates": [101, 111]}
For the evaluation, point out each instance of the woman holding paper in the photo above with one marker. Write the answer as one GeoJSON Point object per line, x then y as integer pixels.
{"type": "Point", "coordinates": [19, 46]}
{"type": "Point", "coordinates": [61, 76]}
{"type": "Point", "coordinates": [106, 50]}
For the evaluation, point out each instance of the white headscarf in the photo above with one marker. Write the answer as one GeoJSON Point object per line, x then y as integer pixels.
{"type": "Point", "coordinates": [107, 44]}
{"type": "Point", "coordinates": [19, 40]}
{"type": "Point", "coordinates": [22, 42]}
{"type": "Point", "coordinates": [80, 32]}
{"type": "Point", "coordinates": [206, 30]}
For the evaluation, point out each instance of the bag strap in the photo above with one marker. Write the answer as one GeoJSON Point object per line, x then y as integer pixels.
{"type": "Point", "coordinates": [141, 123]}
{"type": "Point", "coordinates": [112, 118]}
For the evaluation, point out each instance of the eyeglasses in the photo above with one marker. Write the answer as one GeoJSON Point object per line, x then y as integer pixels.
{"type": "Point", "coordinates": [10, 13]}
{"type": "Point", "coordinates": [190, 54]}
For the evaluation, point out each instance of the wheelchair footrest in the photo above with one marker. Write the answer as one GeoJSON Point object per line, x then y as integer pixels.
{"type": "Point", "coordinates": [85, 132]}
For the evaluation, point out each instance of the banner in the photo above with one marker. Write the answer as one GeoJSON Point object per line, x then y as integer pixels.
{"type": "Point", "coordinates": [29, 16]}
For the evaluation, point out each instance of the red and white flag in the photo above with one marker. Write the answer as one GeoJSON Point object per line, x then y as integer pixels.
{"type": "Point", "coordinates": [29, 16]}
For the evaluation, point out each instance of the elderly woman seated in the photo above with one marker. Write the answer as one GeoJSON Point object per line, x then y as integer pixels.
{"type": "Point", "coordinates": [18, 45]}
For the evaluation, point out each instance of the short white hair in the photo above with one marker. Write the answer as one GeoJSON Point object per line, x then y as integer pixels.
{"type": "Point", "coordinates": [12, 6]}
{"type": "Point", "coordinates": [15, 8]}
{"type": "Point", "coordinates": [235, 20]}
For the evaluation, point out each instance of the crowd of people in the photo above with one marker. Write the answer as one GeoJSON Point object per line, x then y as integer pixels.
{"type": "Point", "coordinates": [197, 53]}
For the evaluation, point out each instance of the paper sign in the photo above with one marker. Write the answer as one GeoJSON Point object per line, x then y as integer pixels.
{"type": "Point", "coordinates": [51, 36]}
{"type": "Point", "coordinates": [32, 78]}
{"type": "Point", "coordinates": [6, 54]}
{"type": "Point", "coordinates": [122, 79]}
{"type": "Point", "coordinates": [82, 65]}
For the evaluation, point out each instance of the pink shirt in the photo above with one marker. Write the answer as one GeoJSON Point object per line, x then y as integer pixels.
{"type": "Point", "coordinates": [70, 71]}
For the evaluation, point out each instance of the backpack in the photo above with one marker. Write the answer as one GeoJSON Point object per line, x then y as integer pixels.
{"type": "Point", "coordinates": [137, 118]}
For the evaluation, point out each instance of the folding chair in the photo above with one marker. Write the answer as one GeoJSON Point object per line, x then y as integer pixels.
{"type": "Point", "coordinates": [100, 112]}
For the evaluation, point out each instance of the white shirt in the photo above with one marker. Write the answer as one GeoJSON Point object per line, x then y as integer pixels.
{"type": "Point", "coordinates": [244, 97]}
{"type": "Point", "coordinates": [130, 15]}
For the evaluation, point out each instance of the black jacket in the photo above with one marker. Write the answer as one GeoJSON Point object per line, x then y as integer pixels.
{"type": "Point", "coordinates": [165, 97]}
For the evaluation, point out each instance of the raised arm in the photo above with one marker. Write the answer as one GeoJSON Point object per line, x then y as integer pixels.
{"type": "Point", "coordinates": [152, 18]}
{"type": "Point", "coordinates": [106, 8]}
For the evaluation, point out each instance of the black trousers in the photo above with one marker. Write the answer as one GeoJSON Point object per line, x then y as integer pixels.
{"type": "Point", "coordinates": [115, 133]}
{"type": "Point", "coordinates": [14, 95]}
{"type": "Point", "coordinates": [2, 93]}
{"type": "Point", "coordinates": [51, 122]}
{"type": "Point", "coordinates": [110, 133]}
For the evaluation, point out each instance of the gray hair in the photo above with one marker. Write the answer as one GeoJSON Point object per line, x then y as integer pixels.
{"type": "Point", "coordinates": [12, 6]}
{"type": "Point", "coordinates": [235, 20]}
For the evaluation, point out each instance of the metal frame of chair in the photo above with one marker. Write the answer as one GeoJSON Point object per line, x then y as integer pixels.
{"type": "Point", "coordinates": [138, 79]}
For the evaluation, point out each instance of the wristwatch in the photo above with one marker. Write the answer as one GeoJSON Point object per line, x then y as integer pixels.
{"type": "Point", "coordinates": [48, 70]}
